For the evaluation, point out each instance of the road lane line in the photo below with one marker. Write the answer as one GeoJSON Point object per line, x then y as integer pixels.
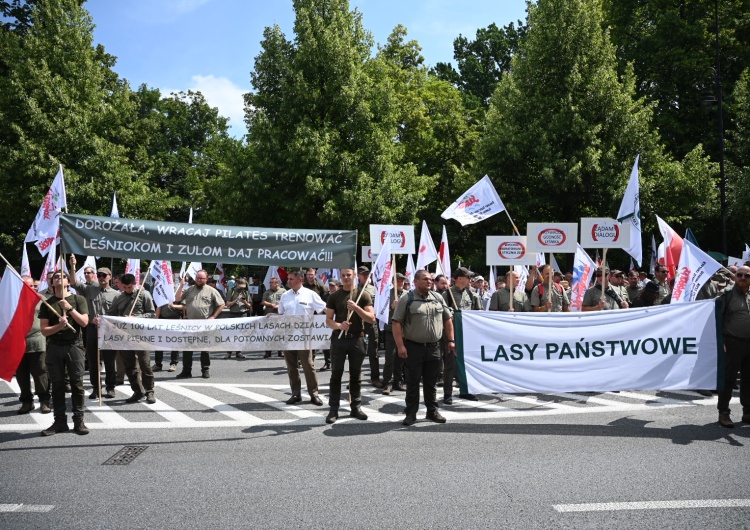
{"type": "Point", "coordinates": [652, 505]}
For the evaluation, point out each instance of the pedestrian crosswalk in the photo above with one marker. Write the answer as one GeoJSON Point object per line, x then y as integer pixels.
{"type": "Point", "coordinates": [217, 405]}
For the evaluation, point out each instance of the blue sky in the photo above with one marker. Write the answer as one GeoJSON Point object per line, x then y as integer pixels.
{"type": "Point", "coordinates": [210, 45]}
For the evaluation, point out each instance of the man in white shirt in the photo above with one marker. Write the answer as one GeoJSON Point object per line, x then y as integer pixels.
{"type": "Point", "coordinates": [298, 301]}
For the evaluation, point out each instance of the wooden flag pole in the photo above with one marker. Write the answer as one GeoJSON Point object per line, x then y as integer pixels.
{"type": "Point", "coordinates": [98, 367]}
{"type": "Point", "coordinates": [511, 288]}
{"type": "Point", "coordinates": [351, 292]}
{"type": "Point", "coordinates": [551, 275]}
{"type": "Point", "coordinates": [604, 275]}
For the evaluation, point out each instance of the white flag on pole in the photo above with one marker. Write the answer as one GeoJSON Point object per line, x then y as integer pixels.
{"type": "Point", "coordinates": [477, 204]}
{"type": "Point", "coordinates": [409, 273]}
{"type": "Point", "coordinates": [445, 254]}
{"type": "Point", "coordinates": [272, 272]}
{"type": "Point", "coordinates": [427, 253]}
{"type": "Point", "coordinates": [695, 269]}
{"type": "Point", "coordinates": [523, 276]}
{"type": "Point", "coordinates": [115, 211]}
{"type": "Point", "coordinates": [161, 272]}
{"type": "Point", "coordinates": [133, 266]}
{"type": "Point", "coordinates": [193, 269]}
{"type": "Point", "coordinates": [630, 211]}
{"type": "Point", "coordinates": [49, 266]}
{"type": "Point", "coordinates": [382, 280]}
{"type": "Point", "coordinates": [25, 267]}
{"type": "Point", "coordinates": [746, 253]}
{"type": "Point", "coordinates": [221, 283]}
{"type": "Point", "coordinates": [46, 226]}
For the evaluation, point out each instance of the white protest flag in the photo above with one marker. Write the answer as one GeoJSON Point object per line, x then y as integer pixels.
{"type": "Point", "coordinates": [190, 221]}
{"type": "Point", "coordinates": [221, 284]}
{"type": "Point", "coordinates": [90, 262]}
{"type": "Point", "coordinates": [695, 269]}
{"type": "Point", "coordinates": [272, 272]}
{"type": "Point", "coordinates": [409, 273]}
{"type": "Point", "coordinates": [654, 256]}
{"type": "Point", "coordinates": [193, 269]}
{"type": "Point", "coordinates": [540, 259]}
{"type": "Point", "coordinates": [583, 272]}
{"type": "Point", "coordinates": [426, 253]}
{"type": "Point", "coordinates": [746, 253]}
{"type": "Point", "coordinates": [477, 204]}
{"type": "Point", "coordinates": [336, 274]}
{"type": "Point", "coordinates": [46, 226]}
{"type": "Point", "coordinates": [25, 267]}
{"type": "Point", "coordinates": [445, 254]}
{"type": "Point", "coordinates": [523, 276]}
{"type": "Point", "coordinates": [630, 211]}
{"type": "Point", "coordinates": [133, 266]}
{"type": "Point", "coordinates": [115, 210]}
{"type": "Point", "coordinates": [323, 275]}
{"type": "Point", "coordinates": [493, 280]}
{"type": "Point", "coordinates": [732, 260]}
{"type": "Point", "coordinates": [555, 266]}
{"type": "Point", "coordinates": [161, 272]}
{"type": "Point", "coordinates": [382, 280]}
{"type": "Point", "coordinates": [49, 266]}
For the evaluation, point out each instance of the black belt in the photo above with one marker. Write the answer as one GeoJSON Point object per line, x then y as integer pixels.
{"type": "Point", "coordinates": [63, 342]}
{"type": "Point", "coordinates": [349, 335]}
{"type": "Point", "coordinates": [425, 344]}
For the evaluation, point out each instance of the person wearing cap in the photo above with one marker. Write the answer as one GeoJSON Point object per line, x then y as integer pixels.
{"type": "Point", "coordinates": [63, 352]}
{"type": "Point", "coordinates": [136, 303]}
{"type": "Point", "coordinates": [346, 316]}
{"type": "Point", "coordinates": [201, 302]}
{"type": "Point", "coordinates": [99, 297]}
{"type": "Point", "coordinates": [393, 368]}
{"type": "Point", "coordinates": [540, 294]}
{"type": "Point", "coordinates": [461, 297]}
{"type": "Point", "coordinates": [311, 282]}
{"type": "Point", "coordinates": [500, 300]}
{"type": "Point", "coordinates": [478, 284]}
{"type": "Point", "coordinates": [421, 319]}
{"type": "Point", "coordinates": [270, 301]}
{"type": "Point", "coordinates": [593, 301]}
{"type": "Point", "coordinates": [617, 281]}
{"type": "Point", "coordinates": [647, 296]}
{"type": "Point", "coordinates": [240, 305]}
{"type": "Point", "coordinates": [371, 331]}
{"type": "Point", "coordinates": [632, 288]}
{"type": "Point", "coordinates": [643, 279]}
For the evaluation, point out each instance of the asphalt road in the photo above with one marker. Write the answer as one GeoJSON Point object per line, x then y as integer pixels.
{"type": "Point", "coordinates": [228, 453]}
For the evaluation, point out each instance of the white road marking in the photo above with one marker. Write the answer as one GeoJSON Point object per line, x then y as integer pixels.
{"type": "Point", "coordinates": [652, 505]}
{"type": "Point", "coordinates": [111, 418]}
{"type": "Point", "coordinates": [4, 508]}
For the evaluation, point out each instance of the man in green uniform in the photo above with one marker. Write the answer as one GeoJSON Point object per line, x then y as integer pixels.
{"type": "Point", "coordinates": [63, 352]}
{"type": "Point", "coordinates": [33, 365]}
{"type": "Point", "coordinates": [270, 302]}
{"type": "Point", "coordinates": [459, 296]}
{"type": "Point", "coordinates": [540, 299]}
{"type": "Point", "coordinates": [593, 301]}
{"type": "Point", "coordinates": [99, 296]}
{"type": "Point", "coordinates": [347, 342]}
{"type": "Point", "coordinates": [201, 302]}
{"type": "Point", "coordinates": [500, 300]}
{"type": "Point", "coordinates": [632, 288]}
{"type": "Point", "coordinates": [132, 303]}
{"type": "Point", "coordinates": [419, 321]}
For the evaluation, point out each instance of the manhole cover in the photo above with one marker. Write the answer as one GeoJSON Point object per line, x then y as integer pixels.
{"type": "Point", "coordinates": [125, 455]}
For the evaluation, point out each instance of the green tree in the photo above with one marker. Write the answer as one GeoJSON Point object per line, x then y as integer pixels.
{"type": "Point", "coordinates": [482, 62]}
{"type": "Point", "coordinates": [738, 165]}
{"type": "Point", "coordinates": [563, 130]}
{"type": "Point", "coordinates": [323, 131]}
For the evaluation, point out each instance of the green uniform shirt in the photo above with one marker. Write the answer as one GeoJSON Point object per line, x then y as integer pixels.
{"type": "Point", "coordinates": [78, 303]}
{"type": "Point", "coordinates": [337, 302]}
{"type": "Point", "coordinates": [426, 314]}
{"type": "Point", "coordinates": [272, 297]}
{"type": "Point", "coordinates": [315, 286]}
{"type": "Point", "coordinates": [240, 308]}
{"type": "Point", "coordinates": [465, 298]}
{"type": "Point", "coordinates": [393, 297]}
{"type": "Point", "coordinates": [559, 297]}
{"type": "Point", "coordinates": [35, 341]}
{"type": "Point", "coordinates": [500, 301]}
{"type": "Point", "coordinates": [633, 293]}
{"type": "Point", "coordinates": [594, 294]}
{"type": "Point", "coordinates": [123, 304]}
{"type": "Point", "coordinates": [736, 307]}
{"type": "Point", "coordinates": [201, 303]}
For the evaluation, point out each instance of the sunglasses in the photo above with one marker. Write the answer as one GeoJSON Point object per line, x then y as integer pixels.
{"type": "Point", "coordinates": [742, 275]}
{"type": "Point", "coordinates": [101, 274]}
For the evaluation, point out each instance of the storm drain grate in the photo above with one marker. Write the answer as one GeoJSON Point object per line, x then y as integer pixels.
{"type": "Point", "coordinates": [125, 455]}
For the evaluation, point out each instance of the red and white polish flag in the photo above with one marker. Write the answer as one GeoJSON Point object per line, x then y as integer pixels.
{"type": "Point", "coordinates": [18, 302]}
